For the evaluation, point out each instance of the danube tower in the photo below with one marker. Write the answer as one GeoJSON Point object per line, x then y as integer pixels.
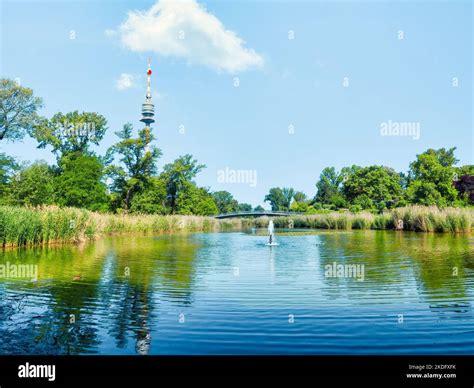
{"type": "Point", "coordinates": [148, 109]}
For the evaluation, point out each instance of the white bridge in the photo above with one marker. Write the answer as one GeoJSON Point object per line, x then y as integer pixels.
{"type": "Point", "coordinates": [269, 213]}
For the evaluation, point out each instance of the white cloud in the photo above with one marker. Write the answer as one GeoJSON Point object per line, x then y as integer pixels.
{"type": "Point", "coordinates": [125, 81]}
{"type": "Point", "coordinates": [184, 29]}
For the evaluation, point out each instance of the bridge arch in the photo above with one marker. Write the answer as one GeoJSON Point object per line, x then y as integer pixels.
{"type": "Point", "coordinates": [268, 213]}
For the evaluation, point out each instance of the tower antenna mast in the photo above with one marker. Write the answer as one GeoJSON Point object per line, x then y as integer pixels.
{"type": "Point", "coordinates": [148, 91]}
{"type": "Point", "coordinates": [148, 109]}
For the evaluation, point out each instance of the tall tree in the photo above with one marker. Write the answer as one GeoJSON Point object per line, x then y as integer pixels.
{"type": "Point", "coordinates": [329, 187]}
{"type": "Point", "coordinates": [225, 202]}
{"type": "Point", "coordinates": [137, 162]}
{"type": "Point", "coordinates": [151, 199]}
{"type": "Point", "coordinates": [431, 176]}
{"type": "Point", "coordinates": [300, 202]}
{"type": "Point", "coordinates": [177, 175]}
{"type": "Point", "coordinates": [195, 200]}
{"type": "Point", "coordinates": [33, 185]}
{"type": "Point", "coordinates": [18, 110]}
{"type": "Point", "coordinates": [275, 198]}
{"type": "Point", "coordinates": [245, 207]}
{"type": "Point", "coordinates": [373, 186]}
{"type": "Point", "coordinates": [70, 132]}
{"type": "Point", "coordinates": [288, 194]}
{"type": "Point", "coordinates": [299, 196]}
{"type": "Point", "coordinates": [8, 167]}
{"type": "Point", "coordinates": [280, 198]}
{"type": "Point", "coordinates": [467, 169]}
{"type": "Point", "coordinates": [80, 182]}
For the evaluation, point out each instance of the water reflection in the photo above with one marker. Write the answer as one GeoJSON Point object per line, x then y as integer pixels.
{"type": "Point", "coordinates": [126, 295]}
{"type": "Point", "coordinates": [436, 264]}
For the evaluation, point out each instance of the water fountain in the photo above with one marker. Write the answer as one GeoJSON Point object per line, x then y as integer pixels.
{"type": "Point", "coordinates": [271, 233]}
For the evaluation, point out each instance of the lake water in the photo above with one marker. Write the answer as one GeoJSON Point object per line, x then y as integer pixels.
{"type": "Point", "coordinates": [228, 293]}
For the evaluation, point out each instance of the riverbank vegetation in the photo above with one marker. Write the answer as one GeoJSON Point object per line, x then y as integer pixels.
{"type": "Point", "coordinates": [410, 218]}
{"type": "Point", "coordinates": [125, 184]}
{"type": "Point", "coordinates": [433, 179]}
{"type": "Point", "coordinates": [24, 226]}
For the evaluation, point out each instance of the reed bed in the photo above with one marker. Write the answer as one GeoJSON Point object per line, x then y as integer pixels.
{"type": "Point", "coordinates": [23, 226]}
{"type": "Point", "coordinates": [414, 218]}
{"type": "Point", "coordinates": [432, 219]}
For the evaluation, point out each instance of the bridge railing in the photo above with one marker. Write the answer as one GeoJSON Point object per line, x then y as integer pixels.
{"type": "Point", "coordinates": [257, 214]}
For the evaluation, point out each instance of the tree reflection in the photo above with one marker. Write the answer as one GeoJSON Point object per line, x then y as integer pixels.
{"type": "Point", "coordinates": [146, 271]}
{"type": "Point", "coordinates": [117, 281]}
{"type": "Point", "coordinates": [436, 263]}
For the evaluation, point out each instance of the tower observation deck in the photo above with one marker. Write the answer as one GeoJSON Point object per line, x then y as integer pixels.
{"type": "Point", "coordinates": [148, 109]}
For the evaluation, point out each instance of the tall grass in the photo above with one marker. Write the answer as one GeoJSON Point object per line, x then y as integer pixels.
{"type": "Point", "coordinates": [21, 226]}
{"type": "Point", "coordinates": [432, 219]}
{"type": "Point", "coordinates": [415, 218]}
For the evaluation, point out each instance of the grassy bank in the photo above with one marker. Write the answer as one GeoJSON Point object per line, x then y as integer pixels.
{"type": "Point", "coordinates": [414, 218]}
{"type": "Point", "coordinates": [21, 226]}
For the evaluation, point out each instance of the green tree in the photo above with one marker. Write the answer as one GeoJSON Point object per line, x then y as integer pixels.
{"type": "Point", "coordinates": [329, 188]}
{"type": "Point", "coordinates": [288, 194]}
{"type": "Point", "coordinates": [299, 196]}
{"type": "Point", "coordinates": [137, 163]}
{"type": "Point", "coordinates": [300, 207]}
{"type": "Point", "coordinates": [70, 132]}
{"type": "Point", "coordinates": [362, 201]}
{"type": "Point", "coordinates": [8, 167]}
{"type": "Point", "coordinates": [276, 198]}
{"type": "Point", "coordinates": [245, 207]}
{"type": "Point", "coordinates": [18, 110]}
{"type": "Point", "coordinates": [177, 175]}
{"type": "Point", "coordinates": [425, 193]}
{"type": "Point", "coordinates": [195, 200]}
{"type": "Point", "coordinates": [258, 208]}
{"type": "Point", "coordinates": [300, 202]}
{"type": "Point", "coordinates": [430, 178]}
{"type": "Point", "coordinates": [467, 169]}
{"type": "Point", "coordinates": [373, 186]}
{"type": "Point", "coordinates": [225, 202]}
{"type": "Point", "coordinates": [151, 199]}
{"type": "Point", "coordinates": [79, 183]}
{"type": "Point", "coordinates": [33, 185]}
{"type": "Point", "coordinates": [280, 198]}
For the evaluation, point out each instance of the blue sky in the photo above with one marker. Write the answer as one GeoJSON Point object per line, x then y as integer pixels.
{"type": "Point", "coordinates": [283, 82]}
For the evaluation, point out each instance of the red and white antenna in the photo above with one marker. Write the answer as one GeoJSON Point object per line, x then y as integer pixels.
{"type": "Point", "coordinates": [148, 73]}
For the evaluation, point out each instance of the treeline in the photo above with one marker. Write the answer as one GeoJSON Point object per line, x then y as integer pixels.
{"type": "Point", "coordinates": [126, 178]}
{"type": "Point", "coordinates": [410, 218]}
{"type": "Point", "coordinates": [432, 180]}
